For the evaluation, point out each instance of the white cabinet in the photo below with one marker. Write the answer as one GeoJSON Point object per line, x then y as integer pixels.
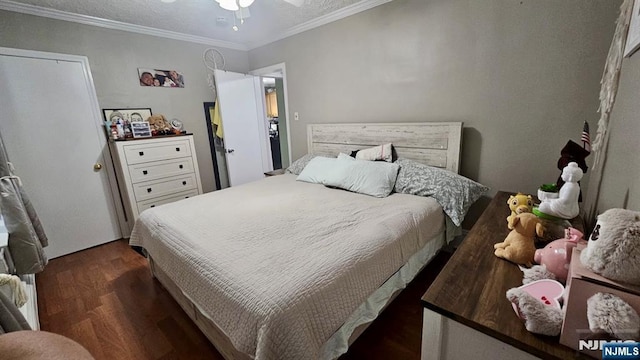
{"type": "Point", "coordinates": [155, 171]}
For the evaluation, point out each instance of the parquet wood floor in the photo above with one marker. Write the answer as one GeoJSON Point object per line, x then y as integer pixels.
{"type": "Point", "coordinates": [105, 299]}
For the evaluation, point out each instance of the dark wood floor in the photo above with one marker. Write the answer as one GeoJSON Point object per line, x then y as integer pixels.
{"type": "Point", "coordinates": [105, 299]}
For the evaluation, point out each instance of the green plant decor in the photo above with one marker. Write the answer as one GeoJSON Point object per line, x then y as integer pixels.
{"type": "Point", "coordinates": [551, 188]}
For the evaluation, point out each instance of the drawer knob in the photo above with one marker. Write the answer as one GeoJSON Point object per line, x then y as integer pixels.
{"type": "Point", "coordinates": [148, 190]}
{"type": "Point", "coordinates": [181, 166]}
{"type": "Point", "coordinates": [144, 172]}
{"type": "Point", "coordinates": [186, 197]}
{"type": "Point", "coordinates": [141, 153]}
{"type": "Point", "coordinates": [184, 183]}
{"type": "Point", "coordinates": [177, 149]}
{"type": "Point", "coordinates": [152, 206]}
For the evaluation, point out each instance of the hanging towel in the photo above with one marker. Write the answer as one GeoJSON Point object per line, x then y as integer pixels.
{"type": "Point", "coordinates": [216, 119]}
{"type": "Point", "coordinates": [17, 288]}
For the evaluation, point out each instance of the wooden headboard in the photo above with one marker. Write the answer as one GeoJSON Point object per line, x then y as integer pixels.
{"type": "Point", "coordinates": [431, 143]}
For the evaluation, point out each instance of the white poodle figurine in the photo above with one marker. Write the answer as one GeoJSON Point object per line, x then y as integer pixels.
{"type": "Point", "coordinates": [566, 205]}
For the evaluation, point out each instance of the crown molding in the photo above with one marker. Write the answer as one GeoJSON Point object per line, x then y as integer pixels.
{"type": "Point", "coordinates": [114, 25]}
{"type": "Point", "coordinates": [322, 20]}
{"type": "Point", "coordinates": [145, 30]}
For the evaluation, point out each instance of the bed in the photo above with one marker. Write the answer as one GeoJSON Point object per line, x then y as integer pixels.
{"type": "Point", "coordinates": [282, 269]}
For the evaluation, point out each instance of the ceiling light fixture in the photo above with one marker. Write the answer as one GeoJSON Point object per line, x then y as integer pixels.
{"type": "Point", "coordinates": [234, 5]}
{"type": "Point", "coordinates": [237, 6]}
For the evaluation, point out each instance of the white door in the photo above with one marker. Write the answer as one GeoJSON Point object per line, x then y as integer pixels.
{"type": "Point", "coordinates": [246, 135]}
{"type": "Point", "coordinates": [48, 111]}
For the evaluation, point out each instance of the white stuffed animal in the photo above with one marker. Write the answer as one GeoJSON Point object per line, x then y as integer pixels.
{"type": "Point", "coordinates": [605, 312]}
{"type": "Point", "coordinates": [613, 250]}
{"type": "Point", "coordinates": [566, 205]}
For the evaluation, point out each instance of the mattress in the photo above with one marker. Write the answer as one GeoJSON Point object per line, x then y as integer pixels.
{"type": "Point", "coordinates": [279, 265]}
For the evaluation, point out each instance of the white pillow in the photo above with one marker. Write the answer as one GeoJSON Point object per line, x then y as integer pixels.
{"type": "Point", "coordinates": [364, 177]}
{"type": "Point", "coordinates": [317, 169]}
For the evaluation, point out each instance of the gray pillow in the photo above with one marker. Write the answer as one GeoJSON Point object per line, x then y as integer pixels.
{"type": "Point", "coordinates": [297, 166]}
{"type": "Point", "coordinates": [455, 193]}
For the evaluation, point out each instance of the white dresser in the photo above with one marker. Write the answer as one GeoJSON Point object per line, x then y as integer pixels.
{"type": "Point", "coordinates": [155, 171]}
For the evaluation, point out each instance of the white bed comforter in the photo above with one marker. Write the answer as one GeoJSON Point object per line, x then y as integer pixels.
{"type": "Point", "coordinates": [279, 265]}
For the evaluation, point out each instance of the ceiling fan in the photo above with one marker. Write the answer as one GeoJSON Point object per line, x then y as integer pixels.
{"type": "Point", "coordinates": [235, 5]}
{"type": "Point", "coordinates": [241, 9]}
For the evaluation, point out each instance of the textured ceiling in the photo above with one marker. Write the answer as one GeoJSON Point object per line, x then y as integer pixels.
{"type": "Point", "coordinates": [268, 18]}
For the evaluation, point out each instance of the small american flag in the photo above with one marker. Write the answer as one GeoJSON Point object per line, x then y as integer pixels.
{"type": "Point", "coordinates": [586, 139]}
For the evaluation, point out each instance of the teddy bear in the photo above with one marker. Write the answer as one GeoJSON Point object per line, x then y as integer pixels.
{"type": "Point", "coordinates": [612, 251]}
{"type": "Point", "coordinates": [159, 124]}
{"type": "Point", "coordinates": [566, 205]}
{"type": "Point", "coordinates": [519, 245]}
{"type": "Point", "coordinates": [519, 203]}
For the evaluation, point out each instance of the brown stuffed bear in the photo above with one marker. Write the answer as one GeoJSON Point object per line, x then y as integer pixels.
{"type": "Point", "coordinates": [159, 124]}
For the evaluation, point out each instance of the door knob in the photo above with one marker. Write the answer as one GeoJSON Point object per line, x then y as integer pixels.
{"type": "Point", "coordinates": [229, 151]}
{"type": "Point", "coordinates": [97, 166]}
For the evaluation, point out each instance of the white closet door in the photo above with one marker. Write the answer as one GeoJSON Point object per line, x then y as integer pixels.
{"type": "Point", "coordinates": [48, 111]}
{"type": "Point", "coordinates": [244, 121]}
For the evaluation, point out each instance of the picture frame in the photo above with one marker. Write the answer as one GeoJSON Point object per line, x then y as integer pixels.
{"type": "Point", "coordinates": [160, 78]}
{"type": "Point", "coordinates": [140, 129]}
{"type": "Point", "coordinates": [633, 36]}
{"type": "Point", "coordinates": [126, 115]}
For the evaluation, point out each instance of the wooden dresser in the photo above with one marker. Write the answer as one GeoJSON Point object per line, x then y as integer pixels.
{"type": "Point", "coordinates": [466, 312]}
{"type": "Point", "coordinates": [155, 171]}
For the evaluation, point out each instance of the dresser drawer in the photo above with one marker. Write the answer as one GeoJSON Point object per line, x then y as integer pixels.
{"type": "Point", "coordinates": [152, 189]}
{"type": "Point", "coordinates": [137, 154]}
{"type": "Point", "coordinates": [160, 169]}
{"type": "Point", "coordinates": [144, 205]}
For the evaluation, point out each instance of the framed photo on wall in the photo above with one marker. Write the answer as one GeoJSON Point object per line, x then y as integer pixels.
{"type": "Point", "coordinates": [160, 78]}
{"type": "Point", "coordinates": [126, 115]}
{"type": "Point", "coordinates": [633, 36]}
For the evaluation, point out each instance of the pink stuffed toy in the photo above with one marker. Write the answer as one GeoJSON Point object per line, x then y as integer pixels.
{"type": "Point", "coordinates": [557, 254]}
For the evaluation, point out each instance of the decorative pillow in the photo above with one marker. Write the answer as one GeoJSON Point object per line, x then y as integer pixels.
{"type": "Point", "coordinates": [380, 152]}
{"type": "Point", "coordinates": [455, 193]}
{"type": "Point", "coordinates": [317, 170]}
{"type": "Point", "coordinates": [297, 166]}
{"type": "Point", "coordinates": [364, 177]}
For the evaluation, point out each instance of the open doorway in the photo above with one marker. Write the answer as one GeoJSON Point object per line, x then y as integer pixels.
{"type": "Point", "coordinates": [271, 102]}
{"type": "Point", "coordinates": [275, 90]}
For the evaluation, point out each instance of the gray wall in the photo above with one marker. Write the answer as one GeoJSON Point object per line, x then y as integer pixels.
{"type": "Point", "coordinates": [114, 57]}
{"type": "Point", "coordinates": [620, 187]}
{"type": "Point", "coordinates": [521, 74]}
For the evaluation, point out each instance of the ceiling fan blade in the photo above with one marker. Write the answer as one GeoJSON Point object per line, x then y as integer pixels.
{"type": "Point", "coordinates": [297, 3]}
